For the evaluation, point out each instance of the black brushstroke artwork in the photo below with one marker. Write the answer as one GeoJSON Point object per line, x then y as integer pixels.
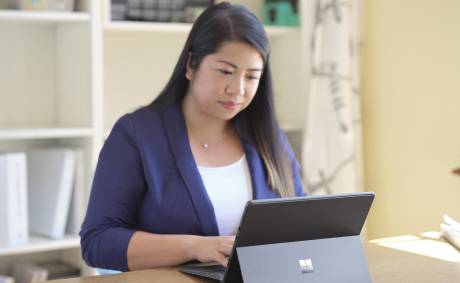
{"type": "Point", "coordinates": [336, 83]}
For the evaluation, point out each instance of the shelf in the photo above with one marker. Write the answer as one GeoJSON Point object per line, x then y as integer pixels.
{"type": "Point", "coordinates": [279, 30]}
{"type": "Point", "coordinates": [14, 133]}
{"type": "Point", "coordinates": [132, 26]}
{"type": "Point", "coordinates": [42, 244]}
{"type": "Point", "coordinates": [43, 17]}
{"type": "Point", "coordinates": [180, 28]}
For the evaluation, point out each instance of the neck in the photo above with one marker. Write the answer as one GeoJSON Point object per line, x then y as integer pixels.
{"type": "Point", "coordinates": [205, 127]}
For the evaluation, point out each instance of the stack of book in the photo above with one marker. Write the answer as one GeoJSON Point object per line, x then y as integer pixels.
{"type": "Point", "coordinates": [41, 191]}
{"type": "Point", "coordinates": [25, 272]}
{"type": "Point", "coordinates": [6, 279]}
{"type": "Point", "coordinates": [451, 232]}
{"type": "Point", "coordinates": [60, 270]}
{"type": "Point", "coordinates": [158, 10]}
{"type": "Point", "coordinates": [47, 5]}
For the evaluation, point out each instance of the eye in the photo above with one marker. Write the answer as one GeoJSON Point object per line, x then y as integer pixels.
{"type": "Point", "coordinates": [252, 78]}
{"type": "Point", "coordinates": [225, 72]}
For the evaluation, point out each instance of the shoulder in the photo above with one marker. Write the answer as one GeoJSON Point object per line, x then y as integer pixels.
{"type": "Point", "coordinates": [143, 115]}
{"type": "Point", "coordinates": [139, 120]}
{"type": "Point", "coordinates": [146, 127]}
{"type": "Point", "coordinates": [148, 116]}
{"type": "Point", "coordinates": [128, 126]}
{"type": "Point", "coordinates": [288, 149]}
{"type": "Point", "coordinates": [285, 142]}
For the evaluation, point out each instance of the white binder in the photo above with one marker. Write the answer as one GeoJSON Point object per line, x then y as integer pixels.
{"type": "Point", "coordinates": [13, 199]}
{"type": "Point", "coordinates": [78, 201]}
{"type": "Point", "coordinates": [51, 178]}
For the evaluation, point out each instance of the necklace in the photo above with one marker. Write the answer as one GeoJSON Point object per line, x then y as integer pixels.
{"type": "Point", "coordinates": [206, 145]}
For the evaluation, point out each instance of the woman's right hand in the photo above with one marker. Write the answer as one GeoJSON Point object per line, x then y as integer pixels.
{"type": "Point", "coordinates": [209, 249]}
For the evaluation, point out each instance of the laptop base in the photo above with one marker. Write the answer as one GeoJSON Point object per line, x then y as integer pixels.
{"type": "Point", "coordinates": [211, 271]}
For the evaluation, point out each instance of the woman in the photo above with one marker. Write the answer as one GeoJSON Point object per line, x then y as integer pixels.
{"type": "Point", "coordinates": [173, 177]}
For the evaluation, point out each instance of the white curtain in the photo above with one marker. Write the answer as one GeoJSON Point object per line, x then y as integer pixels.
{"type": "Point", "coordinates": [332, 153]}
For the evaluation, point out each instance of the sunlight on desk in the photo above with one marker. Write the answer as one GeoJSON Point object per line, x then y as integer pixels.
{"type": "Point", "coordinates": [422, 246]}
{"type": "Point", "coordinates": [432, 234]}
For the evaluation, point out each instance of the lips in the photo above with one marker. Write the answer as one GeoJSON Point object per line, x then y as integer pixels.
{"type": "Point", "coordinates": [230, 105]}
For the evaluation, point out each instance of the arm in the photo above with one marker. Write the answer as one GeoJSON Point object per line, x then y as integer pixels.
{"type": "Point", "coordinates": [117, 190]}
{"type": "Point", "coordinates": [147, 250]}
{"type": "Point", "coordinates": [109, 236]}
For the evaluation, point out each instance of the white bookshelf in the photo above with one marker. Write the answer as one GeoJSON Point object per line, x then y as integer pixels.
{"type": "Point", "coordinates": [53, 91]}
{"type": "Point", "coordinates": [50, 96]}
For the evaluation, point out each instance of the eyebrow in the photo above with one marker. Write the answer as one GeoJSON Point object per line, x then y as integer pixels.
{"type": "Point", "coordinates": [236, 67]}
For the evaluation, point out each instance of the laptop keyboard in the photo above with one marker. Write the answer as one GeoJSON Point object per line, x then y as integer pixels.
{"type": "Point", "coordinates": [212, 271]}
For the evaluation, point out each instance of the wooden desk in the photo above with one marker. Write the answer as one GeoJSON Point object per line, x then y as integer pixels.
{"type": "Point", "coordinates": [425, 258]}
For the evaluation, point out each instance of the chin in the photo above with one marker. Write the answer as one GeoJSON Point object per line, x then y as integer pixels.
{"type": "Point", "coordinates": [228, 116]}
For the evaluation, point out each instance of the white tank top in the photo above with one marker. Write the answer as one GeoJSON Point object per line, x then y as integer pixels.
{"type": "Point", "coordinates": [229, 188]}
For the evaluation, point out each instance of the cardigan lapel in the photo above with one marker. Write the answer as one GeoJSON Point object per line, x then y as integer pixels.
{"type": "Point", "coordinates": [176, 132]}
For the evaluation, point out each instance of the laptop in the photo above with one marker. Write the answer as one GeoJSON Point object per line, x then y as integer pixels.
{"type": "Point", "coordinates": [301, 239]}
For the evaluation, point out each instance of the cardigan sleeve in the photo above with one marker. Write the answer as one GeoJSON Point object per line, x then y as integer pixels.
{"type": "Point", "coordinates": [117, 192]}
{"type": "Point", "coordinates": [298, 187]}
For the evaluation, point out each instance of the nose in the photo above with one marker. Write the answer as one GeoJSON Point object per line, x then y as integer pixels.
{"type": "Point", "coordinates": [236, 87]}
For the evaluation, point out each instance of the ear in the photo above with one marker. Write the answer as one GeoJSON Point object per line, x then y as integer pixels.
{"type": "Point", "coordinates": [188, 70]}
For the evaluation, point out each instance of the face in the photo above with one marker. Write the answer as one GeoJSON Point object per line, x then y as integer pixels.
{"type": "Point", "coordinates": [225, 82]}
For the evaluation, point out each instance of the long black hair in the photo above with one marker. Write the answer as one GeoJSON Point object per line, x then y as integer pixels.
{"type": "Point", "coordinates": [257, 124]}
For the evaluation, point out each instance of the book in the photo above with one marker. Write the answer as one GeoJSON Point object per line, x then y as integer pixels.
{"type": "Point", "coordinates": [51, 173]}
{"type": "Point", "coordinates": [24, 272]}
{"type": "Point", "coordinates": [60, 270]}
{"type": "Point", "coordinates": [13, 199]}
{"type": "Point", "coordinates": [6, 279]}
{"type": "Point", "coordinates": [47, 5]}
{"type": "Point", "coordinates": [78, 201]}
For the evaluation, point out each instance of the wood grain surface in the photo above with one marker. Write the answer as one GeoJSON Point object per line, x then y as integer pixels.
{"type": "Point", "coordinates": [400, 259]}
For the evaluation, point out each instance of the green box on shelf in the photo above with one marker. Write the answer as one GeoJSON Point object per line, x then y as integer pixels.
{"type": "Point", "coordinates": [280, 13]}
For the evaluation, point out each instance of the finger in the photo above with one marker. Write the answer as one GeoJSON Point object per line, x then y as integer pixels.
{"type": "Point", "coordinates": [227, 249]}
{"type": "Point", "coordinates": [229, 238]}
{"type": "Point", "coordinates": [221, 259]}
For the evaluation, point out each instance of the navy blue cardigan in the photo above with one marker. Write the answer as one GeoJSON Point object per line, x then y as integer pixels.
{"type": "Point", "coordinates": [147, 180]}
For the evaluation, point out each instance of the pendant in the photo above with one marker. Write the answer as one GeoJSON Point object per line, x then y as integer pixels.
{"type": "Point", "coordinates": [205, 145]}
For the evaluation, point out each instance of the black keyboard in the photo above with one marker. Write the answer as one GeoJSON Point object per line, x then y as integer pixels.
{"type": "Point", "coordinates": [212, 271]}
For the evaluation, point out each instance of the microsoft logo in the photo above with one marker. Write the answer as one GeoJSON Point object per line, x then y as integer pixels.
{"type": "Point", "coordinates": [306, 266]}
